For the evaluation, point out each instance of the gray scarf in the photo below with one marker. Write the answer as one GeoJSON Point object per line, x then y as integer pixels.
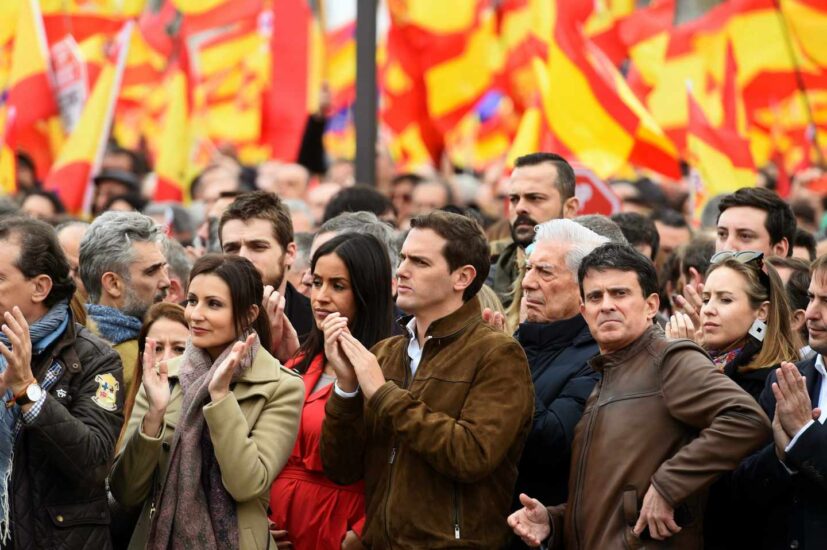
{"type": "Point", "coordinates": [195, 511]}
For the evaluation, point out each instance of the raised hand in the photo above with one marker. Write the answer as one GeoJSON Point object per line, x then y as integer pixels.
{"type": "Point", "coordinates": [18, 374]}
{"type": "Point", "coordinates": [657, 514]}
{"type": "Point", "coordinates": [284, 342]}
{"type": "Point", "coordinates": [156, 386]}
{"type": "Point", "coordinates": [691, 302]}
{"type": "Point", "coordinates": [530, 523]}
{"type": "Point", "coordinates": [494, 319]}
{"type": "Point", "coordinates": [681, 326]}
{"type": "Point", "coordinates": [364, 364]}
{"type": "Point", "coordinates": [333, 326]}
{"type": "Point", "coordinates": [222, 376]}
{"type": "Point", "coordinates": [793, 406]}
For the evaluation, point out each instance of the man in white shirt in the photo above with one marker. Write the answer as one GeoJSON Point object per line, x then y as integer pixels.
{"type": "Point", "coordinates": [787, 480]}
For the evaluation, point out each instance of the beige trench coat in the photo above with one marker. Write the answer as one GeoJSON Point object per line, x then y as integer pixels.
{"type": "Point", "coordinates": [253, 430]}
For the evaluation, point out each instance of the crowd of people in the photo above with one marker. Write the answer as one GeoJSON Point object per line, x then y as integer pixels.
{"type": "Point", "coordinates": [434, 361]}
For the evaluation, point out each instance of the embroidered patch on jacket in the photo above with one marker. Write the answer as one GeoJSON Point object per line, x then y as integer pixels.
{"type": "Point", "coordinates": [106, 396]}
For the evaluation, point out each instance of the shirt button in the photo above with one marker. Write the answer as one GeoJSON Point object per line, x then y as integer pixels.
{"type": "Point", "coordinates": [794, 544]}
{"type": "Point", "coordinates": [59, 519]}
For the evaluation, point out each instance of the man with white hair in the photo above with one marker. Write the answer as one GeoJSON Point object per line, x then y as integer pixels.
{"type": "Point", "coordinates": [558, 344]}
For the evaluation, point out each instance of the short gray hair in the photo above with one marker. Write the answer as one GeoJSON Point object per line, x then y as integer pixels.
{"type": "Point", "coordinates": [178, 263]}
{"type": "Point", "coordinates": [365, 223]}
{"type": "Point", "coordinates": [604, 226]}
{"type": "Point", "coordinates": [581, 239]}
{"type": "Point", "coordinates": [107, 246]}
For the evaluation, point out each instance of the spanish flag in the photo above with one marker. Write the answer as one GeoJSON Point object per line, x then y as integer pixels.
{"type": "Point", "coordinates": [81, 156]}
{"type": "Point", "coordinates": [173, 147]}
{"type": "Point", "coordinates": [721, 157]}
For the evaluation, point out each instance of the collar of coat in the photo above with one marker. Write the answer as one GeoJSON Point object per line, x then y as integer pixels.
{"type": "Point", "coordinates": [556, 334]}
{"type": "Point", "coordinates": [265, 368]}
{"type": "Point", "coordinates": [620, 356]}
{"type": "Point", "coordinates": [452, 323]}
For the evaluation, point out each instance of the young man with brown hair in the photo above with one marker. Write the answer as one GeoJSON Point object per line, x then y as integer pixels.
{"type": "Point", "coordinates": [434, 421]}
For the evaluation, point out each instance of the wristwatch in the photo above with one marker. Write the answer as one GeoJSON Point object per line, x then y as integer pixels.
{"type": "Point", "coordinates": [32, 393]}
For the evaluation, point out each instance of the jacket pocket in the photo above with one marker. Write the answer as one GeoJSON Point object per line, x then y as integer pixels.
{"type": "Point", "coordinates": [95, 512]}
{"type": "Point", "coordinates": [631, 512]}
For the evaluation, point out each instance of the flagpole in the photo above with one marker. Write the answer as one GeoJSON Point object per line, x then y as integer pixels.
{"type": "Point", "coordinates": [366, 93]}
{"type": "Point", "coordinates": [799, 79]}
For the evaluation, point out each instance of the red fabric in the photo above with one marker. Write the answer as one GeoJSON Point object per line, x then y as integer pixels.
{"type": "Point", "coordinates": [315, 512]}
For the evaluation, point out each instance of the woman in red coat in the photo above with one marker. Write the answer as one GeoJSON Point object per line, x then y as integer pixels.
{"type": "Point", "coordinates": [351, 291]}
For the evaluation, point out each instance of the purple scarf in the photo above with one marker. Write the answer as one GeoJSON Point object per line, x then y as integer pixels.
{"type": "Point", "coordinates": [195, 511]}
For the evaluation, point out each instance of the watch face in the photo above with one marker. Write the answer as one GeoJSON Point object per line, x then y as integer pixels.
{"type": "Point", "coordinates": [34, 392]}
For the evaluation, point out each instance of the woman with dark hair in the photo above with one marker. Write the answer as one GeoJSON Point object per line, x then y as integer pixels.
{"type": "Point", "coordinates": [351, 291]}
{"type": "Point", "coordinates": [210, 429]}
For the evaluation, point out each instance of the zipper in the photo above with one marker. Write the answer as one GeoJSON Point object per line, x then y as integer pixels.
{"type": "Point", "coordinates": [407, 381]}
{"type": "Point", "coordinates": [581, 466]}
{"type": "Point", "coordinates": [456, 512]}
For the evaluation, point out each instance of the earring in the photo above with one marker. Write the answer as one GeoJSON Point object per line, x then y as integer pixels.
{"type": "Point", "coordinates": [758, 329]}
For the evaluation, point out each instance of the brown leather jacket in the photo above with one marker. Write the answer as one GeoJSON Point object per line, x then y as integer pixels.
{"type": "Point", "coordinates": [661, 415]}
{"type": "Point", "coordinates": [438, 451]}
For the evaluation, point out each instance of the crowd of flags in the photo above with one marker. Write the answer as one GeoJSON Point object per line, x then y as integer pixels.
{"type": "Point", "coordinates": [620, 88]}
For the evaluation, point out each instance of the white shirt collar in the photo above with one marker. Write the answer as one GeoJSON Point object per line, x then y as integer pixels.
{"type": "Point", "coordinates": [820, 365]}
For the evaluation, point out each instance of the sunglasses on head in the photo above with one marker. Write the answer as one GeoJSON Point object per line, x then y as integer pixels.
{"type": "Point", "coordinates": [741, 256]}
{"type": "Point", "coordinates": [745, 257]}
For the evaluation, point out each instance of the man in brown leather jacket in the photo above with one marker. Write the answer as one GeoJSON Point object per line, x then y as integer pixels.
{"type": "Point", "coordinates": [658, 429]}
{"type": "Point", "coordinates": [433, 421]}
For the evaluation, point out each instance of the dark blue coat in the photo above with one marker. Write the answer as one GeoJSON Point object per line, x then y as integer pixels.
{"type": "Point", "coordinates": [557, 355]}
{"type": "Point", "coordinates": [791, 509]}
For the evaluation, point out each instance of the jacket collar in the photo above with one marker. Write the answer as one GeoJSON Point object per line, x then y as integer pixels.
{"type": "Point", "coordinates": [619, 357]}
{"type": "Point", "coordinates": [452, 323]}
{"type": "Point", "coordinates": [567, 332]}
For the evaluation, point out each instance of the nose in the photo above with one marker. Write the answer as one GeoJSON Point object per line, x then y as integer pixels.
{"type": "Point", "coordinates": [520, 207]}
{"type": "Point", "coordinates": [812, 313]}
{"type": "Point", "coordinates": [529, 280]}
{"type": "Point", "coordinates": [607, 303]}
{"type": "Point", "coordinates": [164, 282]}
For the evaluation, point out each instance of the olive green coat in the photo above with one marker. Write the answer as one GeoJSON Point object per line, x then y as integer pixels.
{"type": "Point", "coordinates": [253, 430]}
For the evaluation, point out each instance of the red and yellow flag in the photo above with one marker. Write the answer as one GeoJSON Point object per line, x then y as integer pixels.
{"type": "Point", "coordinates": [81, 156]}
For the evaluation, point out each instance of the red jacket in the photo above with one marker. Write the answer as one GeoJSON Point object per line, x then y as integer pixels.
{"type": "Point", "coordinates": [316, 512]}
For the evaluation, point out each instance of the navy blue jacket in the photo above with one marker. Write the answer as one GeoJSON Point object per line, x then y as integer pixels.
{"type": "Point", "coordinates": [558, 355]}
{"type": "Point", "coordinates": [790, 509]}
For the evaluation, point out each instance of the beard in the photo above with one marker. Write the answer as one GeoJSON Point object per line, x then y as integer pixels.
{"type": "Point", "coordinates": [276, 278]}
{"type": "Point", "coordinates": [135, 306]}
{"type": "Point", "coordinates": [525, 238]}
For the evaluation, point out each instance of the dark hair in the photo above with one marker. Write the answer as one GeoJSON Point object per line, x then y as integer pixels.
{"type": "Point", "coordinates": [162, 310]}
{"type": "Point", "coordinates": [638, 230]}
{"type": "Point", "coordinates": [780, 222]}
{"type": "Point", "coordinates": [465, 244]}
{"type": "Point", "coordinates": [623, 258]}
{"type": "Point", "coordinates": [135, 200]}
{"type": "Point", "coordinates": [807, 240]}
{"type": "Point", "coordinates": [669, 218]}
{"type": "Point", "coordinates": [409, 177]}
{"type": "Point", "coordinates": [798, 284]}
{"type": "Point", "coordinates": [40, 254]}
{"type": "Point", "coordinates": [246, 290]}
{"type": "Point", "coordinates": [357, 199]}
{"type": "Point", "coordinates": [137, 160]}
{"type": "Point", "coordinates": [261, 205]}
{"type": "Point", "coordinates": [368, 266]}
{"type": "Point", "coordinates": [697, 254]}
{"type": "Point", "coordinates": [24, 159]}
{"type": "Point", "coordinates": [804, 211]}
{"type": "Point", "coordinates": [565, 183]}
{"type": "Point", "coordinates": [48, 195]}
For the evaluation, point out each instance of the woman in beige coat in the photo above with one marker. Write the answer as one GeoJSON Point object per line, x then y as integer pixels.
{"type": "Point", "coordinates": [212, 429]}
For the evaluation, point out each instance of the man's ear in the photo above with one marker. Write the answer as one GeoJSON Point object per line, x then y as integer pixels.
{"type": "Point", "coordinates": [290, 255]}
{"type": "Point", "coordinates": [463, 277]}
{"type": "Point", "coordinates": [570, 207]}
{"type": "Point", "coordinates": [798, 320]}
{"type": "Point", "coordinates": [652, 305]}
{"type": "Point", "coordinates": [112, 285]}
{"type": "Point", "coordinates": [175, 292]}
{"type": "Point", "coordinates": [41, 287]}
{"type": "Point", "coordinates": [781, 247]}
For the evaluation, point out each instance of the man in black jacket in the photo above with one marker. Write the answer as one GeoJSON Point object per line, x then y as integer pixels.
{"type": "Point", "coordinates": [787, 480]}
{"type": "Point", "coordinates": [558, 345]}
{"type": "Point", "coordinates": [63, 393]}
